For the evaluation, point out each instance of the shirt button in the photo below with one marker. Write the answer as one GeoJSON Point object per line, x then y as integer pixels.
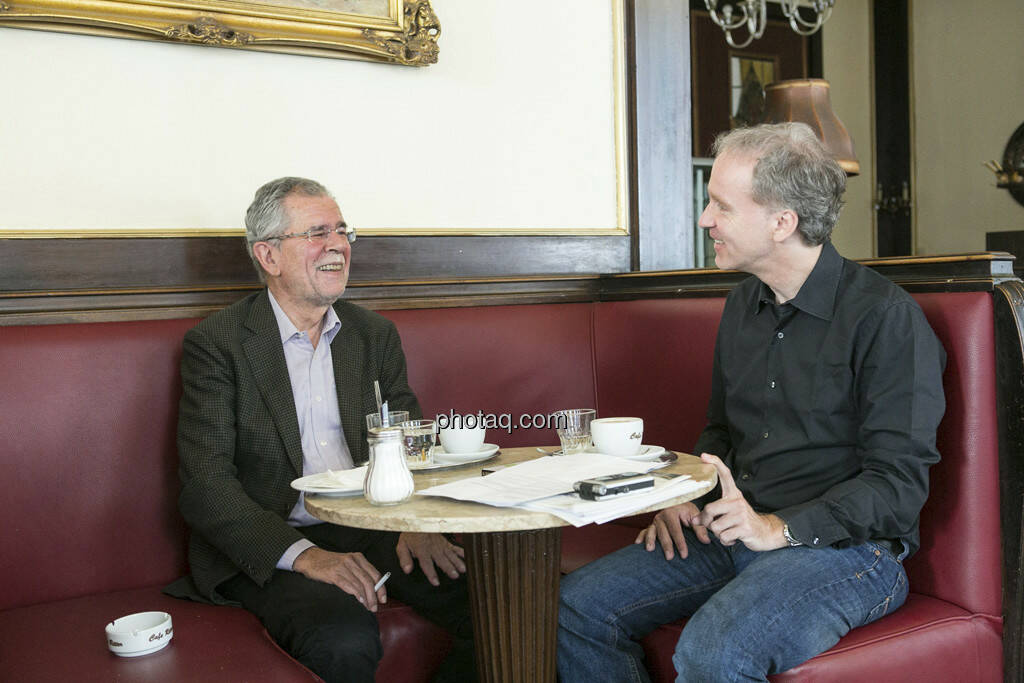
{"type": "Point", "coordinates": [744, 476]}
{"type": "Point", "coordinates": [323, 443]}
{"type": "Point", "coordinates": [318, 399]}
{"type": "Point", "coordinates": [781, 335]}
{"type": "Point", "coordinates": [771, 384]}
{"type": "Point", "coordinates": [765, 435]}
{"type": "Point", "coordinates": [815, 541]}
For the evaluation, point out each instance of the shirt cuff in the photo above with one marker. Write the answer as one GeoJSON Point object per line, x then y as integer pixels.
{"type": "Point", "coordinates": [294, 550]}
{"type": "Point", "coordinates": [812, 525]}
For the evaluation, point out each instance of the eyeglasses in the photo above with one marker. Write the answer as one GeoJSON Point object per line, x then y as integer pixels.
{"type": "Point", "coordinates": [319, 234]}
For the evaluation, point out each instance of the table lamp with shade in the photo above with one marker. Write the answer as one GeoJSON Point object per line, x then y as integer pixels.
{"type": "Point", "coordinates": [806, 100]}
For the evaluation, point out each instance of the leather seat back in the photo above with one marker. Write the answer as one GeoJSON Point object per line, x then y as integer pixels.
{"type": "Point", "coordinates": [521, 361]}
{"type": "Point", "coordinates": [960, 558]}
{"type": "Point", "coordinates": [89, 414]}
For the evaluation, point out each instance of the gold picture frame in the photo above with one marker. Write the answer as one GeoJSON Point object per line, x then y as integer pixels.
{"type": "Point", "coordinates": [393, 31]}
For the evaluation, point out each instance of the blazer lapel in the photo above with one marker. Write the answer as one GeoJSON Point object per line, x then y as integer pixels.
{"type": "Point", "coordinates": [265, 354]}
{"type": "Point", "coordinates": [347, 353]}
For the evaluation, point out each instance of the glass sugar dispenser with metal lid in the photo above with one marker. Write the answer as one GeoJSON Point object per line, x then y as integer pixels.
{"type": "Point", "coordinates": [388, 479]}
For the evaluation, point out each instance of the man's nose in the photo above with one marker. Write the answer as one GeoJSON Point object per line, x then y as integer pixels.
{"type": "Point", "coordinates": [336, 241]}
{"type": "Point", "coordinates": [705, 221]}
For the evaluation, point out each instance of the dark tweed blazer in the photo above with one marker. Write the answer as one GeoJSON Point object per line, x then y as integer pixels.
{"type": "Point", "coordinates": [238, 434]}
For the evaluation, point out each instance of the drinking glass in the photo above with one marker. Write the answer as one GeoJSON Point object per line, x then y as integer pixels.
{"type": "Point", "coordinates": [573, 427]}
{"type": "Point", "coordinates": [420, 437]}
{"type": "Point", "coordinates": [395, 417]}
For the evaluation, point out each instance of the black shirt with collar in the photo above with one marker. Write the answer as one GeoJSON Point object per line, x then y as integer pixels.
{"type": "Point", "coordinates": [825, 407]}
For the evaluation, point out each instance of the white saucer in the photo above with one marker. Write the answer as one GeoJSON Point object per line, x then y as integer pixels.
{"type": "Point", "coordinates": [647, 453]}
{"type": "Point", "coordinates": [322, 484]}
{"type": "Point", "coordinates": [442, 456]}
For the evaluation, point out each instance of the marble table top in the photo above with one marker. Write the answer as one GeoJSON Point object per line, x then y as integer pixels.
{"type": "Point", "coordinates": [435, 514]}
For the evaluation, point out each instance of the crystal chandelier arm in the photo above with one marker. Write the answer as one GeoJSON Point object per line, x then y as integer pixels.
{"type": "Point", "coordinates": [726, 22]}
{"type": "Point", "coordinates": [752, 14]}
{"type": "Point", "coordinates": [822, 11]}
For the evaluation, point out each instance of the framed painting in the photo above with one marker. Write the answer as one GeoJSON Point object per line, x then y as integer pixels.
{"type": "Point", "coordinates": [395, 31]}
{"type": "Point", "coordinates": [728, 84]}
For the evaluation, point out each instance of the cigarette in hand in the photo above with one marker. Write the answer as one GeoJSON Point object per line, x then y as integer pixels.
{"type": "Point", "coordinates": [387, 575]}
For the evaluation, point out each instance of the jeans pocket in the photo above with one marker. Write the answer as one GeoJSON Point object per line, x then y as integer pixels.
{"type": "Point", "coordinates": [891, 571]}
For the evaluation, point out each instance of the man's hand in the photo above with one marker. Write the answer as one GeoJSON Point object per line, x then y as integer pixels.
{"type": "Point", "coordinates": [667, 529]}
{"type": "Point", "coordinates": [351, 572]}
{"type": "Point", "coordinates": [731, 518]}
{"type": "Point", "coordinates": [430, 549]}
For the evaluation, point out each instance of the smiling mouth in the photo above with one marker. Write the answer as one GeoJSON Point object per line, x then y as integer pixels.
{"type": "Point", "coordinates": [332, 267]}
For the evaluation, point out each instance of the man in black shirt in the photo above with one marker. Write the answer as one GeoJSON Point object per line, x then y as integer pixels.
{"type": "Point", "coordinates": [826, 395]}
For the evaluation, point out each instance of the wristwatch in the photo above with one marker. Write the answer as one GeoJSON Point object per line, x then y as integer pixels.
{"type": "Point", "coordinates": [789, 537]}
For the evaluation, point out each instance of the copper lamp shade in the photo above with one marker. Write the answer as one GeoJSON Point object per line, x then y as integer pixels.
{"type": "Point", "coordinates": [807, 101]}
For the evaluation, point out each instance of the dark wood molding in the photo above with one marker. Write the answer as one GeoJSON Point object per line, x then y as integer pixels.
{"type": "Point", "coordinates": [890, 44]}
{"type": "Point", "coordinates": [1008, 240]}
{"type": "Point", "coordinates": [166, 278]}
{"type": "Point", "coordinates": [978, 271]}
{"type": "Point", "coordinates": [1009, 318]}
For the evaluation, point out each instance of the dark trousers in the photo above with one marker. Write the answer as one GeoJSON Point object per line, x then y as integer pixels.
{"type": "Point", "coordinates": [331, 633]}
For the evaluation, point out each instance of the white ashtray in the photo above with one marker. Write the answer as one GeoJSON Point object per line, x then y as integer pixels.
{"type": "Point", "coordinates": [139, 634]}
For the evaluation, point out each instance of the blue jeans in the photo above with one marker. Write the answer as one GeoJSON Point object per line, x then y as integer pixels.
{"type": "Point", "coordinates": [751, 613]}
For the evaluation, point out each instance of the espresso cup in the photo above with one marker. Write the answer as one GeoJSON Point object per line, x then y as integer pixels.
{"type": "Point", "coordinates": [619, 436]}
{"type": "Point", "coordinates": [463, 435]}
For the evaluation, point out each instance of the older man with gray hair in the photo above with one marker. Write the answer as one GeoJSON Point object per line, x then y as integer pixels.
{"type": "Point", "coordinates": [276, 387]}
{"type": "Point", "coordinates": [826, 394]}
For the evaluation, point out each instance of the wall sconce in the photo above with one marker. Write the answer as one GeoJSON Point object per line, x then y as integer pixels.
{"type": "Point", "coordinates": [1010, 174]}
{"type": "Point", "coordinates": [893, 202]}
{"type": "Point", "coordinates": [807, 100]}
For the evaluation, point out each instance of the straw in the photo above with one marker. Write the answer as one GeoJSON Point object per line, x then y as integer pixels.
{"type": "Point", "coordinates": [385, 419]}
{"type": "Point", "coordinates": [376, 393]}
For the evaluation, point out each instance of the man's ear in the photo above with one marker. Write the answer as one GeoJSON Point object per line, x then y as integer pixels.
{"type": "Point", "coordinates": [268, 258]}
{"type": "Point", "coordinates": [786, 222]}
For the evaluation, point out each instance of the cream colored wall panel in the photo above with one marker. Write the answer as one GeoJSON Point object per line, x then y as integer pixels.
{"type": "Point", "coordinates": [513, 130]}
{"type": "Point", "coordinates": [847, 66]}
{"type": "Point", "coordinates": [969, 98]}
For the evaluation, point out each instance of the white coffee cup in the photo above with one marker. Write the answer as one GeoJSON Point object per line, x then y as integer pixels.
{"type": "Point", "coordinates": [619, 436]}
{"type": "Point", "coordinates": [463, 435]}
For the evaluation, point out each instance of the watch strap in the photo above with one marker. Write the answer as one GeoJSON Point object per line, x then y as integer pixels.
{"type": "Point", "coordinates": [789, 537]}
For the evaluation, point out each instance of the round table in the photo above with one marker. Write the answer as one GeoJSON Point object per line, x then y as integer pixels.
{"type": "Point", "coordinates": [512, 560]}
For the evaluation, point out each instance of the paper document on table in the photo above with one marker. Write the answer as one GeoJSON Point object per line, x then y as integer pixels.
{"type": "Point", "coordinates": [540, 478]}
{"type": "Point", "coordinates": [579, 512]}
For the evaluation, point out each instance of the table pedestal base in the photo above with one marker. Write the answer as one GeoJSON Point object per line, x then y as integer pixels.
{"type": "Point", "coordinates": [513, 588]}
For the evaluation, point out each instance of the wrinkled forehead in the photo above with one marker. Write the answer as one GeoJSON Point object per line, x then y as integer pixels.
{"type": "Point", "coordinates": [312, 210]}
{"type": "Point", "coordinates": [732, 171]}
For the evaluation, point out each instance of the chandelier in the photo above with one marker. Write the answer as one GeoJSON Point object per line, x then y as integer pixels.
{"type": "Point", "coordinates": [753, 14]}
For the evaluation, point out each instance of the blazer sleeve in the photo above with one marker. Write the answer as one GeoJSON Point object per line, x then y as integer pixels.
{"type": "Point", "coordinates": [236, 499]}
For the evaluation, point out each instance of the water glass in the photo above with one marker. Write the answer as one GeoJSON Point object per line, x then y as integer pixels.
{"type": "Point", "coordinates": [395, 417]}
{"type": "Point", "coordinates": [573, 427]}
{"type": "Point", "coordinates": [420, 437]}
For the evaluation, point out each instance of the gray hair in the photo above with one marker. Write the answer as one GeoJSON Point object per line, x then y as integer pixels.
{"type": "Point", "coordinates": [793, 171]}
{"type": "Point", "coordinates": [266, 216]}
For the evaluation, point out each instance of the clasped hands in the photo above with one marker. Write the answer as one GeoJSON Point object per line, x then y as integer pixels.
{"type": "Point", "coordinates": [730, 519]}
{"type": "Point", "coordinates": [354, 574]}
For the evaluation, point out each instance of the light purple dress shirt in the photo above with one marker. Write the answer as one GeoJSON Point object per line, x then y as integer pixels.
{"type": "Point", "coordinates": [316, 405]}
